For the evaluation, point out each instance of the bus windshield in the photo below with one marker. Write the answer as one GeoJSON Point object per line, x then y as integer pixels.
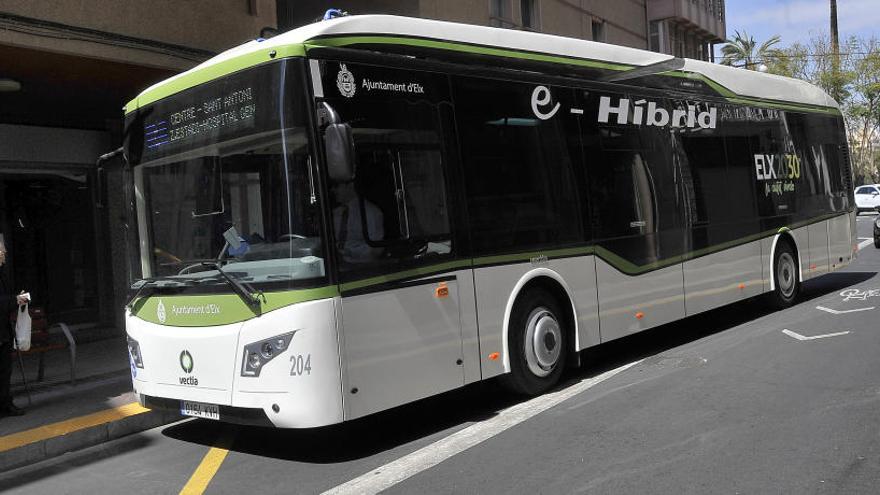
{"type": "Point", "coordinates": [224, 175]}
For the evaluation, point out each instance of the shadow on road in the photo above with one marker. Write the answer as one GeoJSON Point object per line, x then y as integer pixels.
{"type": "Point", "coordinates": [419, 421]}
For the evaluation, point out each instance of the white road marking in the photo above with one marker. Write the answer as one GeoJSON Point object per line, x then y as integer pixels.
{"type": "Point", "coordinates": [394, 472]}
{"type": "Point", "coordinates": [863, 244]}
{"type": "Point", "coordinates": [577, 111]}
{"type": "Point", "coordinates": [843, 311]}
{"type": "Point", "coordinates": [801, 337]}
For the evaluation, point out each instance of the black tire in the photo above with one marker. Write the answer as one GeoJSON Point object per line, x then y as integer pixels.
{"type": "Point", "coordinates": [877, 242]}
{"type": "Point", "coordinates": [785, 276]}
{"type": "Point", "coordinates": [534, 370]}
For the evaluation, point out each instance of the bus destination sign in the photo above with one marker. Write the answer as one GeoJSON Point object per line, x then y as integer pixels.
{"type": "Point", "coordinates": [227, 108]}
{"type": "Point", "coordinates": [232, 109]}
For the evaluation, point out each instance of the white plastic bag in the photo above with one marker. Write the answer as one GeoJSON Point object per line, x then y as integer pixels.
{"type": "Point", "coordinates": [23, 328]}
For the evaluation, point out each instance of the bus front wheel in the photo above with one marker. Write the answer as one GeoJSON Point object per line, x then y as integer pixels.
{"type": "Point", "coordinates": [537, 344]}
{"type": "Point", "coordinates": [785, 275]}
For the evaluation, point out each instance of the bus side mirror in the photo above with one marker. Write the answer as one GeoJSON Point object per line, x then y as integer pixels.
{"type": "Point", "coordinates": [101, 177]}
{"type": "Point", "coordinates": [339, 145]}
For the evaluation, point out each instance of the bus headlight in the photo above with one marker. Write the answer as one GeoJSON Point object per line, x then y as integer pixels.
{"type": "Point", "coordinates": [134, 350]}
{"type": "Point", "coordinates": [257, 354]}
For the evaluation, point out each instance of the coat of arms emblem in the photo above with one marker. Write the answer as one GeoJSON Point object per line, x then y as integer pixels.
{"type": "Point", "coordinates": [345, 82]}
{"type": "Point", "coordinates": [160, 312]}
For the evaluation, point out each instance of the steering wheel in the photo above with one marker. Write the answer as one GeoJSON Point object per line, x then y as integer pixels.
{"type": "Point", "coordinates": [285, 237]}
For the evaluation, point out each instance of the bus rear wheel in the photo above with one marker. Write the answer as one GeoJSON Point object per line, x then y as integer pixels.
{"type": "Point", "coordinates": [785, 276]}
{"type": "Point", "coordinates": [537, 344]}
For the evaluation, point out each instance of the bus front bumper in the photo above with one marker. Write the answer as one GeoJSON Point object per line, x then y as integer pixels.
{"type": "Point", "coordinates": [297, 386]}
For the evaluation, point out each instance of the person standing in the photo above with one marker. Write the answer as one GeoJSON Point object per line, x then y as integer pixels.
{"type": "Point", "coordinates": [7, 335]}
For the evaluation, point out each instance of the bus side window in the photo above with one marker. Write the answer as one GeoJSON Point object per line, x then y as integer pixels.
{"type": "Point", "coordinates": [522, 190]}
{"type": "Point", "coordinates": [636, 197]}
{"type": "Point", "coordinates": [399, 174]}
{"type": "Point", "coordinates": [828, 163]}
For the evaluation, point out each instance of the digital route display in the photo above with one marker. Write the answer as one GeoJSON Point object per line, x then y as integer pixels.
{"type": "Point", "coordinates": [217, 111]}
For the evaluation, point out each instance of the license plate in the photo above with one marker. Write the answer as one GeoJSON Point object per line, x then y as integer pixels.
{"type": "Point", "coordinates": [200, 410]}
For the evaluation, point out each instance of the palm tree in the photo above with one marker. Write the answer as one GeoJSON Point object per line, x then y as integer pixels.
{"type": "Point", "coordinates": [743, 51]}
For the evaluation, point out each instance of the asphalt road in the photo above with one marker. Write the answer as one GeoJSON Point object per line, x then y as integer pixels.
{"type": "Point", "coordinates": [725, 402]}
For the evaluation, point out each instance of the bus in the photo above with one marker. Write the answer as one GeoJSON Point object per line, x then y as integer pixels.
{"type": "Point", "coordinates": [367, 211]}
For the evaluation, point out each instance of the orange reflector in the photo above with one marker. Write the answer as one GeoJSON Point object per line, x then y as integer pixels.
{"type": "Point", "coordinates": [640, 315]}
{"type": "Point", "coordinates": [742, 286]}
{"type": "Point", "coordinates": [441, 291]}
{"type": "Point", "coordinates": [494, 356]}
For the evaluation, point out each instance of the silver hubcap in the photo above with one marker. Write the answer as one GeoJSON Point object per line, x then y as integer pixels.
{"type": "Point", "coordinates": [785, 276]}
{"type": "Point", "coordinates": [543, 342]}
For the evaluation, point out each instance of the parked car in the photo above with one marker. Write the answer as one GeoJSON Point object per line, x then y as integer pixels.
{"type": "Point", "coordinates": [877, 232]}
{"type": "Point", "coordinates": [867, 198]}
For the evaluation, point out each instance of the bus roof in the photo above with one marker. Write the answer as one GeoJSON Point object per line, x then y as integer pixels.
{"type": "Point", "coordinates": [735, 84]}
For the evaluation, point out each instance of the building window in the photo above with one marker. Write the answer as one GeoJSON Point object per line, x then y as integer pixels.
{"type": "Point", "coordinates": [598, 30]}
{"type": "Point", "coordinates": [657, 36]}
{"type": "Point", "coordinates": [529, 10]}
{"type": "Point", "coordinates": [499, 14]}
{"type": "Point", "coordinates": [678, 42]}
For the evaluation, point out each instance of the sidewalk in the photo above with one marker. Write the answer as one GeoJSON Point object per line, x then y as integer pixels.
{"type": "Point", "coordinates": [107, 357]}
{"type": "Point", "coordinates": [63, 417]}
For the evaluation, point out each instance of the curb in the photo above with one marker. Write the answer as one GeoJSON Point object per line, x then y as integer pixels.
{"type": "Point", "coordinates": [54, 446]}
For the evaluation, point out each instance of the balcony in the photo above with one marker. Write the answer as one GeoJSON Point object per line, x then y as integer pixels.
{"type": "Point", "coordinates": [703, 17]}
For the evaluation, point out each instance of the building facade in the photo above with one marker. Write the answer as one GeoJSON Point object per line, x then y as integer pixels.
{"type": "Point", "coordinates": [684, 28]}
{"type": "Point", "coordinates": [623, 22]}
{"type": "Point", "coordinates": [66, 71]}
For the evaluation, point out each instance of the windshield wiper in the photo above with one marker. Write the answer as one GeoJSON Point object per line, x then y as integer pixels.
{"type": "Point", "coordinates": [153, 284]}
{"type": "Point", "coordinates": [147, 283]}
{"type": "Point", "coordinates": [248, 294]}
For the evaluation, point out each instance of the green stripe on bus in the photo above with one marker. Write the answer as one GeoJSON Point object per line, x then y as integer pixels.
{"type": "Point", "coordinates": [751, 101]}
{"type": "Point", "coordinates": [338, 41]}
{"type": "Point", "coordinates": [528, 256]}
{"type": "Point", "coordinates": [416, 272]}
{"type": "Point", "coordinates": [783, 106]}
{"type": "Point", "coordinates": [218, 309]}
{"type": "Point", "coordinates": [731, 96]}
{"type": "Point", "coordinates": [206, 74]}
{"type": "Point", "coordinates": [224, 309]}
{"type": "Point", "coordinates": [720, 89]}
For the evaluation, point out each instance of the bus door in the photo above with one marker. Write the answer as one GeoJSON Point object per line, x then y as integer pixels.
{"type": "Point", "coordinates": [402, 284]}
{"type": "Point", "coordinates": [637, 213]}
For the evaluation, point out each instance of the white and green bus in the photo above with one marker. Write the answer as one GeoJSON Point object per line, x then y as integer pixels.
{"type": "Point", "coordinates": [371, 210]}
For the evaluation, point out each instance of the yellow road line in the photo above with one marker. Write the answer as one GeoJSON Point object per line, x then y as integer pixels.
{"type": "Point", "coordinates": [61, 428]}
{"type": "Point", "coordinates": [203, 474]}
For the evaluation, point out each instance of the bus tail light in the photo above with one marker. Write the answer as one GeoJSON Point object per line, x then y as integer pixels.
{"type": "Point", "coordinates": [257, 354]}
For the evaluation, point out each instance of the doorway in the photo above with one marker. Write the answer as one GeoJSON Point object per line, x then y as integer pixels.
{"type": "Point", "coordinates": [48, 224]}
